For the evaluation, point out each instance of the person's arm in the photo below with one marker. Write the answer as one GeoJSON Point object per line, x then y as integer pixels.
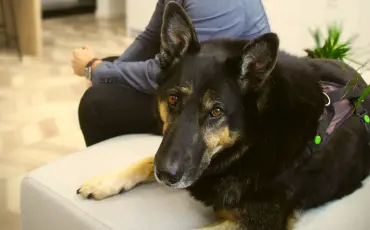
{"type": "Point", "coordinates": [139, 75]}
{"type": "Point", "coordinates": [137, 66]}
{"type": "Point", "coordinates": [147, 43]}
{"type": "Point", "coordinates": [210, 20]}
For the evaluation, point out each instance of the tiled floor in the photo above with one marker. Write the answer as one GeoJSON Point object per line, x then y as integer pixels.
{"type": "Point", "coordinates": [39, 100]}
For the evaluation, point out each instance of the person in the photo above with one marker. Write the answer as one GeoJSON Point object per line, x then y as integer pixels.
{"type": "Point", "coordinates": [121, 99]}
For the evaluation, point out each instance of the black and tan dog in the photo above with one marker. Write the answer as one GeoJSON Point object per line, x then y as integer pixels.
{"type": "Point", "coordinates": [238, 116]}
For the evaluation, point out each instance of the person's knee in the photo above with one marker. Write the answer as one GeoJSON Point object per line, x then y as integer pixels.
{"type": "Point", "coordinates": [88, 109]}
{"type": "Point", "coordinates": [116, 111]}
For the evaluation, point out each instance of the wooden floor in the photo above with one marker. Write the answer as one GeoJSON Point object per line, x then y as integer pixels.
{"type": "Point", "coordinates": [39, 101]}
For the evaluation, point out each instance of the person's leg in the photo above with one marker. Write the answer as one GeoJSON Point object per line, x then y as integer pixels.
{"type": "Point", "coordinates": [108, 111]}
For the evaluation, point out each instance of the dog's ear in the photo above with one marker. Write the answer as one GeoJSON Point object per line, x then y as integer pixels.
{"type": "Point", "coordinates": [258, 60]}
{"type": "Point", "coordinates": [178, 35]}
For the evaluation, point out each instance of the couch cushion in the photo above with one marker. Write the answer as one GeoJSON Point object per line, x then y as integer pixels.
{"type": "Point", "coordinates": [49, 200]}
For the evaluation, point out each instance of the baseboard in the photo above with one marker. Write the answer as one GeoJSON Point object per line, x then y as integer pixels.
{"type": "Point", "coordinates": [67, 10]}
{"type": "Point", "coordinates": [104, 15]}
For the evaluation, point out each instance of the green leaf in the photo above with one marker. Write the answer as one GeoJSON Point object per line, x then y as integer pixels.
{"type": "Point", "coordinates": [343, 46]}
{"type": "Point", "coordinates": [316, 34]}
{"type": "Point", "coordinates": [340, 53]}
{"type": "Point", "coordinates": [310, 53]}
{"type": "Point", "coordinates": [332, 48]}
{"type": "Point", "coordinates": [363, 95]}
{"type": "Point", "coordinates": [334, 35]}
{"type": "Point", "coordinates": [353, 83]}
{"type": "Point", "coordinates": [318, 53]}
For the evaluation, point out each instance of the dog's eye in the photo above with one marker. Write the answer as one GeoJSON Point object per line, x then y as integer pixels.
{"type": "Point", "coordinates": [172, 100]}
{"type": "Point", "coordinates": [216, 112]}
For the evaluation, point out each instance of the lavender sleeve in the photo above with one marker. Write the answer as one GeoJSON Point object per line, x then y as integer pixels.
{"type": "Point", "coordinates": [139, 75]}
{"type": "Point", "coordinates": [138, 66]}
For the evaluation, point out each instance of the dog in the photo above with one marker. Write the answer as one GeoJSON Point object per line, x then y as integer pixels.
{"type": "Point", "coordinates": [238, 116]}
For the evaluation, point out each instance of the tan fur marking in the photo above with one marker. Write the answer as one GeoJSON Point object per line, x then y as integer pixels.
{"type": "Point", "coordinates": [226, 215]}
{"type": "Point", "coordinates": [187, 89]}
{"type": "Point", "coordinates": [104, 186]}
{"type": "Point", "coordinates": [223, 137]}
{"type": "Point", "coordinates": [221, 225]}
{"type": "Point", "coordinates": [291, 223]}
{"type": "Point", "coordinates": [293, 219]}
{"type": "Point", "coordinates": [207, 100]}
{"type": "Point", "coordinates": [228, 138]}
{"type": "Point", "coordinates": [163, 112]}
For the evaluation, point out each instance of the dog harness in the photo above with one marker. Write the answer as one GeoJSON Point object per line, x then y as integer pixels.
{"type": "Point", "coordinates": [341, 103]}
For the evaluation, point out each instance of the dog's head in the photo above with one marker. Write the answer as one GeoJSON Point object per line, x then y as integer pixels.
{"type": "Point", "coordinates": [200, 95]}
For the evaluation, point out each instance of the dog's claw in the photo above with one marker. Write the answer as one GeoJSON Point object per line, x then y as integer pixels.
{"type": "Point", "coordinates": [122, 190]}
{"type": "Point", "coordinates": [90, 196]}
{"type": "Point", "coordinates": [78, 191]}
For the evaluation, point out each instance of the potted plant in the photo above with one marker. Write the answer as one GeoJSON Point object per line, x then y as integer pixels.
{"type": "Point", "coordinates": [333, 48]}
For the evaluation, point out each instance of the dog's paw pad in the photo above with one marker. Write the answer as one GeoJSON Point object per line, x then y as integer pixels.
{"type": "Point", "coordinates": [102, 187]}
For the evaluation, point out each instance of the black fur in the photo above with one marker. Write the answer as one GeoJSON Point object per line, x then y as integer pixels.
{"type": "Point", "coordinates": [275, 106]}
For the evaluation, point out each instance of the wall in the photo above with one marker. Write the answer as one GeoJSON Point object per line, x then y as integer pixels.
{"type": "Point", "coordinates": [28, 22]}
{"type": "Point", "coordinates": [138, 15]}
{"type": "Point", "coordinates": [291, 19]}
{"type": "Point", "coordinates": [110, 8]}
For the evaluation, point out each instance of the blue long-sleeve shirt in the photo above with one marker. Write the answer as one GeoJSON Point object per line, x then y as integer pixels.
{"type": "Point", "coordinates": [138, 66]}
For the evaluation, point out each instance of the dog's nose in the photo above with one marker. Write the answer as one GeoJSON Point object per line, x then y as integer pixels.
{"type": "Point", "coordinates": [169, 175]}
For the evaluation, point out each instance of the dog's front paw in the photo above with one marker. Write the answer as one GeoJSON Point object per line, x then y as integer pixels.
{"type": "Point", "coordinates": [104, 186]}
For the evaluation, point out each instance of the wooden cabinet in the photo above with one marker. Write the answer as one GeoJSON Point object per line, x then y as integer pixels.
{"type": "Point", "coordinates": [28, 24]}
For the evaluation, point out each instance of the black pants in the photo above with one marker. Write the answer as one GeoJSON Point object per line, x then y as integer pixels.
{"type": "Point", "coordinates": [108, 111]}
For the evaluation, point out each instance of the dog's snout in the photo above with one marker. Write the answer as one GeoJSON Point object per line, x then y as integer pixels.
{"type": "Point", "coordinates": [170, 174]}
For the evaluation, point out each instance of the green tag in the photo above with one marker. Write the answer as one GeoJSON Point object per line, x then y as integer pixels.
{"type": "Point", "coordinates": [367, 118]}
{"type": "Point", "coordinates": [317, 140]}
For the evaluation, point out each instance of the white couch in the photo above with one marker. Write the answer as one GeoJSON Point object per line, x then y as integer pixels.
{"type": "Point", "coordinates": [49, 200]}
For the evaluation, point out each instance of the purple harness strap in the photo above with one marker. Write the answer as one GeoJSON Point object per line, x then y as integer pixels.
{"type": "Point", "coordinates": [339, 106]}
{"type": "Point", "coordinates": [343, 109]}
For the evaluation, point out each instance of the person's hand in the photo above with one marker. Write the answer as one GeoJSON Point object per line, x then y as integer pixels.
{"type": "Point", "coordinates": [89, 84]}
{"type": "Point", "coordinates": [80, 58]}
